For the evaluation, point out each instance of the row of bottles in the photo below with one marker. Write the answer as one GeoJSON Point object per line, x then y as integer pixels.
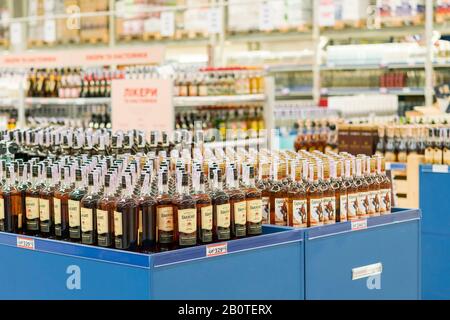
{"type": "Point", "coordinates": [317, 135]}
{"type": "Point", "coordinates": [219, 82]}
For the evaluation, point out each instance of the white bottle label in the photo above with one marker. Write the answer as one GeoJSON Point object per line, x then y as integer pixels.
{"type": "Point", "coordinates": [240, 213]}
{"type": "Point", "coordinates": [44, 210]}
{"type": "Point", "coordinates": [352, 208]}
{"type": "Point", "coordinates": [265, 210]}
{"type": "Point", "coordinates": [87, 217]}
{"type": "Point", "coordinates": [223, 215]}
{"type": "Point", "coordinates": [299, 213]}
{"type": "Point", "coordinates": [2, 209]}
{"type": "Point", "coordinates": [254, 211]}
{"type": "Point", "coordinates": [316, 217]}
{"type": "Point", "coordinates": [281, 211]}
{"type": "Point", "coordinates": [102, 222]}
{"type": "Point", "coordinates": [187, 220]}
{"type": "Point", "coordinates": [385, 201]}
{"type": "Point", "coordinates": [117, 223]}
{"type": "Point", "coordinates": [343, 208]}
{"type": "Point", "coordinates": [329, 206]}
{"type": "Point", "coordinates": [32, 205]}
{"type": "Point", "coordinates": [207, 215]}
{"type": "Point", "coordinates": [57, 210]}
{"type": "Point", "coordinates": [74, 213]}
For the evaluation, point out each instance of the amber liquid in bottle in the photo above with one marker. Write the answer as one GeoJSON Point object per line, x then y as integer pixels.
{"type": "Point", "coordinates": [363, 189]}
{"type": "Point", "coordinates": [315, 195]}
{"type": "Point", "coordinates": [264, 186]}
{"type": "Point", "coordinates": [147, 217]}
{"type": "Point", "coordinates": [10, 204]}
{"type": "Point", "coordinates": [278, 201]}
{"type": "Point", "coordinates": [374, 196]}
{"type": "Point", "coordinates": [61, 206]}
{"type": "Point", "coordinates": [164, 215]}
{"type": "Point", "coordinates": [352, 194]}
{"type": "Point", "coordinates": [185, 216]}
{"type": "Point", "coordinates": [328, 190]}
{"type": "Point", "coordinates": [22, 187]}
{"type": "Point", "coordinates": [221, 210]}
{"type": "Point", "coordinates": [88, 212]}
{"type": "Point", "coordinates": [46, 208]}
{"type": "Point", "coordinates": [238, 205]}
{"type": "Point", "coordinates": [204, 211]}
{"type": "Point", "coordinates": [75, 207]}
{"type": "Point", "coordinates": [253, 197]}
{"type": "Point", "coordinates": [385, 189]}
{"type": "Point", "coordinates": [341, 193]}
{"type": "Point", "coordinates": [105, 215]}
{"type": "Point", "coordinates": [32, 204]}
{"type": "Point", "coordinates": [298, 203]}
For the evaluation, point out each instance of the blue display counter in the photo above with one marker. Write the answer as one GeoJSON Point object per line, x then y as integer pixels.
{"type": "Point", "coordinates": [435, 203]}
{"type": "Point", "coordinates": [269, 266]}
{"type": "Point", "coordinates": [377, 258]}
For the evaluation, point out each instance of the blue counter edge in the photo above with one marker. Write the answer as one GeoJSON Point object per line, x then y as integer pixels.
{"type": "Point", "coordinates": [397, 215]}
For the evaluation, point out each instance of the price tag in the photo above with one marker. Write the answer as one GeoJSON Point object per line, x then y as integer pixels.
{"type": "Point", "coordinates": [25, 243]}
{"type": "Point", "coordinates": [437, 168]}
{"type": "Point", "coordinates": [406, 90]}
{"type": "Point", "coordinates": [383, 90]}
{"type": "Point", "coordinates": [327, 13]}
{"type": "Point", "coordinates": [167, 24]}
{"type": "Point", "coordinates": [214, 20]}
{"type": "Point", "coordinates": [265, 17]}
{"type": "Point", "coordinates": [359, 224]}
{"type": "Point", "coordinates": [16, 33]}
{"type": "Point", "coordinates": [216, 249]}
{"type": "Point", "coordinates": [50, 31]}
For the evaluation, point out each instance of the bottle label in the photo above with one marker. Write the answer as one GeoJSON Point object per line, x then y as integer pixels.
{"type": "Point", "coordinates": [437, 156]}
{"type": "Point", "coordinates": [206, 218]}
{"type": "Point", "coordinates": [32, 205]}
{"type": "Point", "coordinates": [299, 213]}
{"type": "Point", "coordinates": [363, 203]}
{"type": "Point", "coordinates": [118, 224]}
{"type": "Point", "coordinates": [240, 213]}
{"type": "Point", "coordinates": [223, 215]}
{"type": "Point", "coordinates": [87, 223]}
{"type": "Point", "coordinates": [254, 211]}
{"type": "Point", "coordinates": [44, 210]}
{"type": "Point", "coordinates": [187, 221]}
{"type": "Point", "coordinates": [329, 206]}
{"type": "Point", "coordinates": [373, 202]}
{"type": "Point", "coordinates": [74, 213]}
{"type": "Point", "coordinates": [316, 217]}
{"type": "Point", "coordinates": [402, 157]}
{"type": "Point", "coordinates": [102, 222]}
{"type": "Point", "coordinates": [280, 211]}
{"type": "Point", "coordinates": [343, 208]}
{"type": "Point", "coordinates": [2, 209]}
{"type": "Point", "coordinates": [265, 210]}
{"type": "Point", "coordinates": [385, 201]}
{"type": "Point", "coordinates": [352, 206]}
{"type": "Point", "coordinates": [57, 210]}
{"type": "Point", "coordinates": [446, 156]}
{"type": "Point", "coordinates": [429, 155]}
{"type": "Point", "coordinates": [165, 219]}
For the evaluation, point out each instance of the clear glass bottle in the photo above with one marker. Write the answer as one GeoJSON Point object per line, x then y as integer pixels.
{"type": "Point", "coordinates": [278, 200]}
{"type": "Point", "coordinates": [363, 189]}
{"type": "Point", "coordinates": [328, 191]}
{"type": "Point", "coordinates": [204, 210]}
{"type": "Point", "coordinates": [46, 207]}
{"type": "Point", "coordinates": [253, 197]}
{"type": "Point", "coordinates": [352, 193]}
{"type": "Point", "coordinates": [314, 198]}
{"type": "Point", "coordinates": [385, 189]}
{"type": "Point", "coordinates": [298, 202]}
{"type": "Point", "coordinates": [185, 215]}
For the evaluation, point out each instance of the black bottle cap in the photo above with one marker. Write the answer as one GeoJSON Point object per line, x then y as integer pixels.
{"type": "Point", "coordinates": [202, 178]}
{"type": "Point", "coordinates": [185, 180]}
{"type": "Point", "coordinates": [91, 179]}
{"type": "Point", "coordinates": [61, 173]}
{"type": "Point", "coordinates": [251, 172]}
{"type": "Point", "coordinates": [164, 177]}
{"type": "Point", "coordinates": [219, 175]}
{"type": "Point", "coordinates": [235, 173]}
{"type": "Point", "coordinates": [124, 181]}
{"type": "Point", "coordinates": [49, 172]}
{"type": "Point", "coordinates": [35, 171]}
{"type": "Point", "coordinates": [107, 180]}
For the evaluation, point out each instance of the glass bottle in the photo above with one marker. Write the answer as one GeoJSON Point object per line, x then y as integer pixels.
{"type": "Point", "coordinates": [264, 185]}
{"type": "Point", "coordinates": [221, 209]}
{"type": "Point", "coordinates": [10, 204]}
{"type": "Point", "coordinates": [341, 195]}
{"type": "Point", "coordinates": [238, 205]}
{"type": "Point", "coordinates": [314, 198]}
{"type": "Point", "coordinates": [46, 207]}
{"type": "Point", "coordinates": [61, 206]}
{"type": "Point", "coordinates": [185, 215]}
{"type": "Point", "coordinates": [74, 206]}
{"type": "Point", "coordinates": [352, 193]}
{"type": "Point", "coordinates": [126, 218]}
{"type": "Point", "coordinates": [22, 187]}
{"type": "Point", "coordinates": [88, 211]}
{"type": "Point", "coordinates": [429, 147]}
{"type": "Point", "coordinates": [278, 199]}
{"type": "Point", "coordinates": [446, 152]}
{"type": "Point", "coordinates": [298, 202]}
{"type": "Point", "coordinates": [374, 198]}
{"type": "Point", "coordinates": [106, 208]}
{"type": "Point", "coordinates": [363, 189]}
{"type": "Point", "coordinates": [32, 203]}
{"type": "Point", "coordinates": [147, 216]}
{"type": "Point", "coordinates": [328, 191]}
{"type": "Point", "coordinates": [164, 215]}
{"type": "Point", "coordinates": [385, 189]}
{"type": "Point", "coordinates": [204, 210]}
{"type": "Point", "coordinates": [253, 198]}
{"type": "Point", "coordinates": [438, 146]}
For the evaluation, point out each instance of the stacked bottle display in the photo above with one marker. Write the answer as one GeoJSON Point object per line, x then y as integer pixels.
{"type": "Point", "coordinates": [317, 135]}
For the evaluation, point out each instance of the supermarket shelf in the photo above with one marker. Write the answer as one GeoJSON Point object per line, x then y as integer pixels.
{"type": "Point", "coordinates": [289, 68]}
{"type": "Point", "coordinates": [8, 102]}
{"type": "Point", "coordinates": [237, 143]}
{"type": "Point", "coordinates": [205, 101]}
{"type": "Point", "coordinates": [411, 65]}
{"type": "Point", "coordinates": [67, 101]}
{"type": "Point", "coordinates": [385, 32]}
{"type": "Point", "coordinates": [270, 36]}
{"type": "Point", "coordinates": [295, 93]}
{"type": "Point", "coordinates": [354, 91]}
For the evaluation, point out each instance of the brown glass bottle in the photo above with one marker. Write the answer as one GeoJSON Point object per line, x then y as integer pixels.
{"type": "Point", "coordinates": [385, 190]}
{"type": "Point", "coordinates": [363, 188]}
{"type": "Point", "coordinates": [278, 201]}
{"type": "Point", "coordinates": [297, 203]}
{"type": "Point", "coordinates": [314, 198]}
{"type": "Point", "coordinates": [126, 218]}
{"type": "Point", "coordinates": [374, 196]}
{"type": "Point", "coordinates": [147, 216]}
{"type": "Point", "coordinates": [204, 210]}
{"type": "Point", "coordinates": [185, 215]}
{"type": "Point", "coordinates": [253, 196]}
{"type": "Point", "coordinates": [61, 206]}
{"type": "Point", "coordinates": [32, 203]}
{"type": "Point", "coordinates": [352, 193]}
{"type": "Point", "coordinates": [328, 191]}
{"type": "Point", "coordinates": [75, 207]}
{"type": "Point", "coordinates": [221, 210]}
{"type": "Point", "coordinates": [46, 207]}
{"type": "Point", "coordinates": [164, 215]}
{"type": "Point", "coordinates": [105, 214]}
{"type": "Point", "coordinates": [88, 211]}
{"type": "Point", "coordinates": [10, 204]}
{"type": "Point", "coordinates": [22, 187]}
{"type": "Point", "coordinates": [343, 171]}
{"type": "Point", "coordinates": [264, 186]}
{"type": "Point", "coordinates": [238, 205]}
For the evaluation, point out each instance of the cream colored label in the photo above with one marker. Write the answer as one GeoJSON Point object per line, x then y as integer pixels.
{"type": "Point", "coordinates": [254, 211]}
{"type": "Point", "coordinates": [44, 210]}
{"type": "Point", "coordinates": [187, 220]}
{"type": "Point", "coordinates": [280, 210]}
{"type": "Point", "coordinates": [363, 203]}
{"type": "Point", "coordinates": [240, 213]}
{"type": "Point", "coordinates": [74, 213]}
{"type": "Point", "coordinates": [265, 210]}
{"type": "Point", "coordinates": [437, 156]}
{"type": "Point", "coordinates": [207, 218]}
{"type": "Point", "coordinates": [329, 207]}
{"type": "Point", "coordinates": [446, 156]}
{"type": "Point", "coordinates": [316, 216]}
{"type": "Point", "coordinates": [165, 219]}
{"type": "Point", "coordinates": [102, 222]}
{"type": "Point", "coordinates": [385, 201]}
{"type": "Point", "coordinates": [87, 223]}
{"type": "Point", "coordinates": [429, 155]}
{"type": "Point", "coordinates": [374, 203]}
{"type": "Point", "coordinates": [2, 209]}
{"type": "Point", "coordinates": [223, 215]}
{"type": "Point", "coordinates": [32, 205]}
{"type": "Point", "coordinates": [57, 210]}
{"type": "Point", "coordinates": [343, 208]}
{"type": "Point", "coordinates": [352, 208]}
{"type": "Point", "coordinates": [299, 213]}
{"type": "Point", "coordinates": [117, 223]}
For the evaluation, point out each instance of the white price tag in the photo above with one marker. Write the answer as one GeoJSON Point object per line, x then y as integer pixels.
{"type": "Point", "coordinates": [437, 168]}
{"type": "Point", "coordinates": [25, 243]}
{"type": "Point", "coordinates": [50, 31]}
{"type": "Point", "coordinates": [406, 90]}
{"type": "Point", "coordinates": [327, 13]}
{"type": "Point", "coordinates": [167, 24]}
{"type": "Point", "coordinates": [216, 249]}
{"type": "Point", "coordinates": [16, 33]}
{"type": "Point", "coordinates": [214, 20]}
{"type": "Point", "coordinates": [359, 224]}
{"type": "Point", "coordinates": [383, 90]}
{"type": "Point", "coordinates": [265, 17]}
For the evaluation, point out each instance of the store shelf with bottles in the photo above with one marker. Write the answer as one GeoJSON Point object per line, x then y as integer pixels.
{"type": "Point", "coordinates": [355, 91]}
{"type": "Point", "coordinates": [67, 101]}
{"type": "Point", "coordinates": [217, 100]}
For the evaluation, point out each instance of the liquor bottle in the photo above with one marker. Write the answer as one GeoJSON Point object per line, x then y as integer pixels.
{"type": "Point", "coordinates": [314, 197]}
{"type": "Point", "coordinates": [446, 149]}
{"type": "Point", "coordinates": [22, 187]}
{"type": "Point", "coordinates": [343, 169]}
{"type": "Point", "coordinates": [204, 210]}
{"type": "Point", "coordinates": [88, 211]}
{"type": "Point", "coordinates": [429, 147]}
{"type": "Point", "coordinates": [106, 208]}
{"type": "Point", "coordinates": [278, 200]}
{"type": "Point", "coordinates": [328, 191]}
{"type": "Point", "coordinates": [238, 205]}
{"type": "Point", "coordinates": [185, 215]}
{"type": "Point", "coordinates": [385, 189]}
{"type": "Point", "coordinates": [10, 204]}
{"type": "Point", "coordinates": [75, 207]}
{"type": "Point", "coordinates": [264, 185]}
{"type": "Point", "coordinates": [363, 189]}
{"type": "Point", "coordinates": [164, 215]}
{"type": "Point", "coordinates": [368, 183]}
{"type": "Point", "coordinates": [221, 209]}
{"type": "Point", "coordinates": [438, 146]}
{"type": "Point", "coordinates": [147, 216]}
{"type": "Point", "coordinates": [298, 202]}
{"type": "Point", "coordinates": [374, 199]}
{"type": "Point", "coordinates": [61, 205]}
{"type": "Point", "coordinates": [126, 218]}
{"type": "Point", "coordinates": [352, 193]}
{"type": "Point", "coordinates": [32, 203]}
{"type": "Point", "coordinates": [46, 206]}
{"type": "Point", "coordinates": [253, 197]}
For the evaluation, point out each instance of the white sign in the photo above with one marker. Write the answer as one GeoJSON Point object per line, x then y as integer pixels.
{"type": "Point", "coordinates": [214, 20]}
{"type": "Point", "coordinates": [16, 33]}
{"type": "Point", "coordinates": [216, 249]}
{"type": "Point", "coordinates": [25, 243]}
{"type": "Point", "coordinates": [326, 13]}
{"type": "Point", "coordinates": [167, 23]}
{"type": "Point", "coordinates": [437, 168]}
{"type": "Point", "coordinates": [367, 271]}
{"type": "Point", "coordinates": [265, 17]}
{"type": "Point", "coordinates": [50, 31]}
{"type": "Point", "coordinates": [359, 224]}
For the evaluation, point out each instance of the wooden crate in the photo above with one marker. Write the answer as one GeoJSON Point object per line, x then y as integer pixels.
{"type": "Point", "coordinates": [406, 183]}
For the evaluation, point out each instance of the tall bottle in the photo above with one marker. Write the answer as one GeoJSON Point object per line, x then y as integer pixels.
{"type": "Point", "coordinates": [204, 210]}
{"type": "Point", "coordinates": [106, 208]}
{"type": "Point", "coordinates": [147, 216]}
{"type": "Point", "coordinates": [374, 198]}
{"type": "Point", "coordinates": [164, 215]}
{"type": "Point", "coordinates": [185, 215]}
{"type": "Point", "coordinates": [88, 211]}
{"type": "Point", "coordinates": [328, 190]}
{"type": "Point", "coordinates": [352, 193]}
{"type": "Point", "coordinates": [238, 205]}
{"type": "Point", "coordinates": [264, 185]}
{"type": "Point", "coordinates": [61, 206]}
{"type": "Point", "coordinates": [253, 197]}
{"type": "Point", "coordinates": [385, 188]}
{"type": "Point", "coordinates": [298, 202]}
{"type": "Point", "coordinates": [315, 195]}
{"type": "Point", "coordinates": [32, 203]}
{"type": "Point", "coordinates": [363, 188]}
{"type": "Point", "coordinates": [278, 200]}
{"type": "Point", "coordinates": [126, 218]}
{"type": "Point", "coordinates": [22, 187]}
{"type": "Point", "coordinates": [46, 207]}
{"type": "Point", "coordinates": [341, 194]}
{"type": "Point", "coordinates": [221, 209]}
{"type": "Point", "coordinates": [75, 206]}
{"type": "Point", "coordinates": [10, 204]}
